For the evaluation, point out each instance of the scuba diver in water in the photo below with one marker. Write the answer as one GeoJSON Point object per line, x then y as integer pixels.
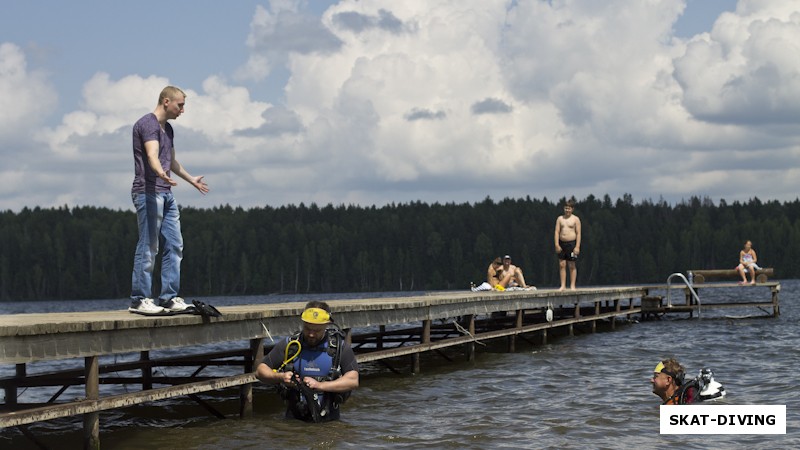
{"type": "Point", "coordinates": [315, 368]}
{"type": "Point", "coordinates": [669, 383]}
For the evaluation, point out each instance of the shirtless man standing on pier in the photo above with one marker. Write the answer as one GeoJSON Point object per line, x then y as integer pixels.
{"type": "Point", "coordinates": [568, 244]}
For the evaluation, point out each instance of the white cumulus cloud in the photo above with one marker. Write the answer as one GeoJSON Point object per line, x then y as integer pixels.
{"type": "Point", "coordinates": [26, 97]}
{"type": "Point", "coordinates": [747, 69]}
{"type": "Point", "coordinates": [451, 100]}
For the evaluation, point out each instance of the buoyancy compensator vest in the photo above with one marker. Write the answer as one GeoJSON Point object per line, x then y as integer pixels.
{"type": "Point", "coordinates": [323, 363]}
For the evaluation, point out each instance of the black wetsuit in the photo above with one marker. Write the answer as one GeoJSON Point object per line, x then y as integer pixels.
{"type": "Point", "coordinates": [567, 249]}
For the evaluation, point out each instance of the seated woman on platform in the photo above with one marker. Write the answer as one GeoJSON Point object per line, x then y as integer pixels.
{"type": "Point", "coordinates": [747, 263]}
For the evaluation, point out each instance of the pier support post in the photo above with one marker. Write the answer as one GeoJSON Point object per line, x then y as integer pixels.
{"type": "Point", "coordinates": [512, 340]}
{"type": "Point", "coordinates": [596, 313]}
{"type": "Point", "coordinates": [381, 332]}
{"type": "Point", "coordinates": [246, 390]}
{"type": "Point", "coordinates": [577, 315]}
{"type": "Point", "coordinates": [470, 346]}
{"type": "Point", "coordinates": [544, 337]}
{"type": "Point", "coordinates": [425, 337]}
{"type": "Point", "coordinates": [617, 310]}
{"type": "Point", "coordinates": [91, 421]}
{"type": "Point", "coordinates": [348, 336]}
{"type": "Point", "coordinates": [776, 307]}
{"type": "Point", "coordinates": [11, 391]}
{"type": "Point", "coordinates": [147, 371]}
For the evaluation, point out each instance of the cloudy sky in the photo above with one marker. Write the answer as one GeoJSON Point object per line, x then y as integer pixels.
{"type": "Point", "coordinates": [372, 102]}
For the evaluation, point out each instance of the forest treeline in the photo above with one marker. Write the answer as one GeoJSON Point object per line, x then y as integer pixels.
{"type": "Point", "coordinates": [87, 252]}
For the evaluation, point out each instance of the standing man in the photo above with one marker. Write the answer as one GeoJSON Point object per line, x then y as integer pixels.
{"type": "Point", "coordinates": [315, 368]}
{"type": "Point", "coordinates": [156, 209]}
{"type": "Point", "coordinates": [568, 244]}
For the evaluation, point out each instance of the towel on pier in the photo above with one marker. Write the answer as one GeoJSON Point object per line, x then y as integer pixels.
{"type": "Point", "coordinates": [519, 288]}
{"type": "Point", "coordinates": [483, 287]}
{"type": "Point", "coordinates": [488, 287]}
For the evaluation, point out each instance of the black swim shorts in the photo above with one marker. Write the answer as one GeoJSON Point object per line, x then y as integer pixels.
{"type": "Point", "coordinates": [567, 249]}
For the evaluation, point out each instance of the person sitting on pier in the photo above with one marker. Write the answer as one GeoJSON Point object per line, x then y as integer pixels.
{"type": "Point", "coordinates": [316, 368]}
{"type": "Point", "coordinates": [667, 380]}
{"type": "Point", "coordinates": [501, 274]}
{"type": "Point", "coordinates": [747, 263]}
{"type": "Point", "coordinates": [513, 275]}
{"type": "Point", "coordinates": [494, 274]}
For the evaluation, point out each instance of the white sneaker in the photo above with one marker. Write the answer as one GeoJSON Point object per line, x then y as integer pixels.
{"type": "Point", "coordinates": [175, 305]}
{"type": "Point", "coordinates": [145, 306]}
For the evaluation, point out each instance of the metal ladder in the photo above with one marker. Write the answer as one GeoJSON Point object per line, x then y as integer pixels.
{"type": "Point", "coordinates": [688, 285]}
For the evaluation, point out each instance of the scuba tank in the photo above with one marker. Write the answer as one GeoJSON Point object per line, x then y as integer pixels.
{"type": "Point", "coordinates": [709, 388]}
{"type": "Point", "coordinates": [699, 389]}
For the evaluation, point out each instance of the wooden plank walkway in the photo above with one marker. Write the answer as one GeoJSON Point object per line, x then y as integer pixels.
{"type": "Point", "coordinates": [463, 318]}
{"type": "Point", "coordinates": [689, 305]}
{"type": "Point", "coordinates": [36, 337]}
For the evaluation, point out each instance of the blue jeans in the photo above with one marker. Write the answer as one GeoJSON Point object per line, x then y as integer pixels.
{"type": "Point", "coordinates": [159, 220]}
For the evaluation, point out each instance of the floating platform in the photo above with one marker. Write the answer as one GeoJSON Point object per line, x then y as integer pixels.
{"type": "Point", "coordinates": [379, 329]}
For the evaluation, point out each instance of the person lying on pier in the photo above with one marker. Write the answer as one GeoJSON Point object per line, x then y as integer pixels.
{"type": "Point", "coordinates": [315, 368]}
{"type": "Point", "coordinates": [747, 263]}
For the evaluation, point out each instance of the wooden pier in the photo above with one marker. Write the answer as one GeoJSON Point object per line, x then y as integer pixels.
{"type": "Point", "coordinates": [657, 305]}
{"type": "Point", "coordinates": [379, 329]}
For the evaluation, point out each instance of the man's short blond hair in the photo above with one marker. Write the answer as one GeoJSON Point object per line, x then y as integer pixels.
{"type": "Point", "coordinates": [170, 92]}
{"type": "Point", "coordinates": [674, 369]}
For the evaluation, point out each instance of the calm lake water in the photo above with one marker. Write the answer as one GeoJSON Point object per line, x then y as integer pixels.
{"type": "Point", "coordinates": [586, 391]}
